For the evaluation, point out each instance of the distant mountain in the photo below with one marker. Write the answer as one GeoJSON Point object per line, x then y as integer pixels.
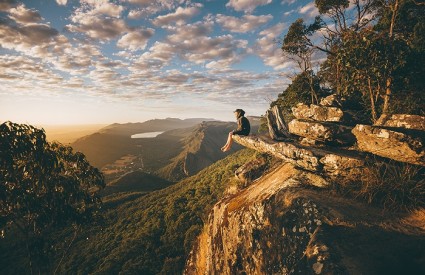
{"type": "Point", "coordinates": [153, 125]}
{"type": "Point", "coordinates": [175, 154]}
{"type": "Point", "coordinates": [114, 141]}
{"type": "Point", "coordinates": [200, 149]}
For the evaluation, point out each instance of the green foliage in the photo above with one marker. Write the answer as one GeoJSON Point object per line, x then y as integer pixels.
{"type": "Point", "coordinates": [153, 233]}
{"type": "Point", "coordinates": [42, 185]}
{"type": "Point", "coordinates": [298, 91]}
{"type": "Point", "coordinates": [375, 53]}
{"type": "Point", "coordinates": [329, 6]}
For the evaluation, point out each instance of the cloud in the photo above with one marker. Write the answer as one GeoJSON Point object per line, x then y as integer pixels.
{"type": "Point", "coordinates": [98, 19]}
{"type": "Point", "coordinates": [23, 38]}
{"type": "Point", "coordinates": [135, 40]}
{"type": "Point", "coordinates": [288, 2]}
{"type": "Point", "coordinates": [5, 5]}
{"type": "Point", "coordinates": [267, 49]}
{"type": "Point", "coordinates": [22, 15]}
{"type": "Point", "coordinates": [310, 10]}
{"type": "Point", "coordinates": [244, 24]}
{"type": "Point", "coordinates": [178, 17]}
{"type": "Point", "coordinates": [62, 2]}
{"type": "Point", "coordinates": [247, 6]}
{"type": "Point", "coordinates": [193, 43]}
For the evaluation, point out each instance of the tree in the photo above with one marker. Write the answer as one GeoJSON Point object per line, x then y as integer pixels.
{"type": "Point", "coordinates": [298, 47]}
{"type": "Point", "coordinates": [42, 185]}
{"type": "Point", "coordinates": [374, 51]}
{"type": "Point", "coordinates": [298, 91]}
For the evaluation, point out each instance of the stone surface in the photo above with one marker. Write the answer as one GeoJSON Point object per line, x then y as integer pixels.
{"type": "Point", "coordinates": [305, 157]}
{"type": "Point", "coordinates": [278, 130]}
{"type": "Point", "coordinates": [332, 101]}
{"type": "Point", "coordinates": [288, 151]}
{"type": "Point", "coordinates": [390, 144]}
{"type": "Point", "coordinates": [278, 226]}
{"type": "Point", "coordinates": [402, 121]}
{"type": "Point", "coordinates": [322, 131]}
{"type": "Point", "coordinates": [251, 171]}
{"type": "Point", "coordinates": [318, 113]}
{"type": "Point", "coordinates": [337, 165]}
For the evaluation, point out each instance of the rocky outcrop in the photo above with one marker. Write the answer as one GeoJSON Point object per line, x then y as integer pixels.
{"type": "Point", "coordinates": [391, 144]}
{"type": "Point", "coordinates": [319, 113]}
{"type": "Point", "coordinates": [280, 225]}
{"type": "Point", "coordinates": [322, 131]}
{"type": "Point", "coordinates": [251, 171]}
{"type": "Point", "coordinates": [333, 162]}
{"type": "Point", "coordinates": [402, 121]}
{"type": "Point", "coordinates": [278, 130]}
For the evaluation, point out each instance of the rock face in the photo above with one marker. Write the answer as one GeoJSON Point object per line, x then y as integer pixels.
{"type": "Point", "coordinates": [319, 113]}
{"type": "Point", "coordinates": [402, 121]}
{"type": "Point", "coordinates": [322, 131]}
{"type": "Point", "coordinates": [391, 144]}
{"type": "Point", "coordinates": [309, 158]}
{"type": "Point", "coordinates": [250, 171]}
{"type": "Point", "coordinates": [278, 130]}
{"type": "Point", "coordinates": [279, 226]}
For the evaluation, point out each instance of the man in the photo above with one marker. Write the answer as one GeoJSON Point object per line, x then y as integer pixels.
{"type": "Point", "coordinates": [243, 129]}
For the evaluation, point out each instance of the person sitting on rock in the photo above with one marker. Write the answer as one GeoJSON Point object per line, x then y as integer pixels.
{"type": "Point", "coordinates": [243, 129]}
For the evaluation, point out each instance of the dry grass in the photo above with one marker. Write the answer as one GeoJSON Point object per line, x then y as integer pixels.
{"type": "Point", "coordinates": [392, 185]}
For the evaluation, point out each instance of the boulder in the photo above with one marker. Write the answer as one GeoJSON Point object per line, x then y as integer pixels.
{"type": "Point", "coordinates": [279, 226]}
{"type": "Point", "coordinates": [287, 150]}
{"type": "Point", "coordinates": [251, 171]}
{"type": "Point", "coordinates": [340, 165]}
{"type": "Point", "coordinates": [278, 130]}
{"type": "Point", "coordinates": [322, 131]}
{"type": "Point", "coordinates": [414, 122]}
{"type": "Point", "coordinates": [324, 159]}
{"type": "Point", "coordinates": [332, 101]}
{"type": "Point", "coordinates": [390, 144]}
{"type": "Point", "coordinates": [318, 113]}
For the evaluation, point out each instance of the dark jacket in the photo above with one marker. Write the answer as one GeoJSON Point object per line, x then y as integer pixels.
{"type": "Point", "coordinates": [243, 127]}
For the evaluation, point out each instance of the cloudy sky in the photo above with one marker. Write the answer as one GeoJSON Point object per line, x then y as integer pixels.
{"type": "Point", "coordinates": [105, 61]}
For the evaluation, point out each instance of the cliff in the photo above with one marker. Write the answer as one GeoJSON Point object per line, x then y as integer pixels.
{"type": "Point", "coordinates": [285, 224]}
{"type": "Point", "coordinates": [294, 220]}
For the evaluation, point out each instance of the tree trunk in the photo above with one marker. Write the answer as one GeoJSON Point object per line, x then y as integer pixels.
{"type": "Point", "coordinates": [387, 96]}
{"type": "Point", "coordinates": [372, 101]}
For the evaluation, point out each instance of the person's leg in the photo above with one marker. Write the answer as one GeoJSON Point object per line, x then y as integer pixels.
{"type": "Point", "coordinates": [229, 143]}
{"type": "Point", "coordinates": [229, 140]}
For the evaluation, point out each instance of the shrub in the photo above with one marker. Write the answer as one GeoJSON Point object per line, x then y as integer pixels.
{"type": "Point", "coordinates": [391, 185]}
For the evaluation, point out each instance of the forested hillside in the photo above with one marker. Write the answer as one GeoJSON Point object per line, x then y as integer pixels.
{"type": "Point", "coordinates": [152, 234]}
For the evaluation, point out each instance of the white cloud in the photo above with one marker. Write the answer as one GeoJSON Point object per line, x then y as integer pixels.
{"type": "Point", "coordinates": [62, 2]}
{"type": "Point", "coordinates": [247, 5]}
{"type": "Point", "coordinates": [179, 17]}
{"type": "Point", "coordinates": [267, 48]}
{"type": "Point", "coordinates": [135, 40]}
{"type": "Point", "coordinates": [23, 15]}
{"type": "Point", "coordinates": [98, 19]}
{"type": "Point", "coordinates": [244, 24]}
{"type": "Point", "coordinates": [27, 37]}
{"type": "Point", "coordinates": [310, 10]}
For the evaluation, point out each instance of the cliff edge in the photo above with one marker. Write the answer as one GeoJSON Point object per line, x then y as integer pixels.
{"type": "Point", "coordinates": [284, 224]}
{"type": "Point", "coordinates": [294, 220]}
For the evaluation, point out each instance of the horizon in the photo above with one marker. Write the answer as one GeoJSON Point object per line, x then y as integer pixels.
{"type": "Point", "coordinates": [74, 62]}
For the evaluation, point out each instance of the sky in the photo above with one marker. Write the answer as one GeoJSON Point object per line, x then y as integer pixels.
{"type": "Point", "coordinates": [105, 61]}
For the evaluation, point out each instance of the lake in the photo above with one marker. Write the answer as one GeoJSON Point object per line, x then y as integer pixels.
{"type": "Point", "coordinates": [146, 135]}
